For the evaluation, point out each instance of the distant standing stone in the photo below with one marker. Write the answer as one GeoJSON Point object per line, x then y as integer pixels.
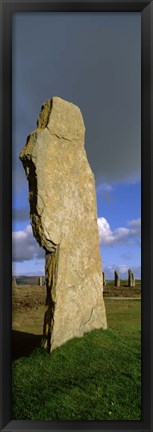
{"type": "Point", "coordinates": [64, 222]}
{"type": "Point", "coordinates": [40, 281]}
{"type": "Point", "coordinates": [133, 280]}
{"type": "Point", "coordinates": [130, 278]}
{"type": "Point", "coordinates": [117, 279]}
{"type": "Point", "coordinates": [14, 282]}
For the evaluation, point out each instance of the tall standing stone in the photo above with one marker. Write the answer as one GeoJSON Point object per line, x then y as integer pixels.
{"type": "Point", "coordinates": [117, 279]}
{"type": "Point", "coordinates": [64, 222]}
{"type": "Point", "coordinates": [130, 278]}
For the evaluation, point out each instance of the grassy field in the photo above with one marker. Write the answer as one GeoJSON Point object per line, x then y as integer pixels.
{"type": "Point", "coordinates": [110, 290]}
{"type": "Point", "coordinates": [96, 377]}
{"type": "Point", "coordinates": [28, 294]}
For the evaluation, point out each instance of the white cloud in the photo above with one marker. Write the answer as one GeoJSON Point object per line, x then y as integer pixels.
{"type": "Point", "coordinates": [135, 225]}
{"type": "Point", "coordinates": [26, 249]}
{"type": "Point", "coordinates": [120, 235]}
{"type": "Point", "coordinates": [24, 246]}
{"type": "Point", "coordinates": [104, 187]}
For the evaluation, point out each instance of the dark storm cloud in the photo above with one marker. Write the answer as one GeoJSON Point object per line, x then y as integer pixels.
{"type": "Point", "coordinates": [92, 60]}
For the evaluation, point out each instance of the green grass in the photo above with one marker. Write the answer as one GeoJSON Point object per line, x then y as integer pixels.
{"type": "Point", "coordinates": [96, 377]}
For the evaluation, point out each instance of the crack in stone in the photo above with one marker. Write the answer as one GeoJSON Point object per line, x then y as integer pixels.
{"type": "Point", "coordinates": [89, 317]}
{"type": "Point", "coordinates": [44, 115]}
{"type": "Point", "coordinates": [60, 137]}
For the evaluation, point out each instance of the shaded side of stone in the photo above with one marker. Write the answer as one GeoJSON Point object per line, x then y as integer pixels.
{"type": "Point", "coordinates": [117, 279]}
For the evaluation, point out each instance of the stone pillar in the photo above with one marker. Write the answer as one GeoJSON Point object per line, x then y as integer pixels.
{"type": "Point", "coordinates": [14, 282]}
{"type": "Point", "coordinates": [133, 280]}
{"type": "Point", "coordinates": [40, 280]}
{"type": "Point", "coordinates": [130, 279]}
{"type": "Point", "coordinates": [104, 279]}
{"type": "Point", "coordinates": [117, 279]}
{"type": "Point", "coordinates": [63, 215]}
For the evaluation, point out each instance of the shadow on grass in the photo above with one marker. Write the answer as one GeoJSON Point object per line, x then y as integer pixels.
{"type": "Point", "coordinates": [24, 343]}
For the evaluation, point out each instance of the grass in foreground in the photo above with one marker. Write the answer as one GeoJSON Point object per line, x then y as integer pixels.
{"type": "Point", "coordinates": [96, 377]}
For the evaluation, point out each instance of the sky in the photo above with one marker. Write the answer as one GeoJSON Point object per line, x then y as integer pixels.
{"type": "Point", "coordinates": [94, 61]}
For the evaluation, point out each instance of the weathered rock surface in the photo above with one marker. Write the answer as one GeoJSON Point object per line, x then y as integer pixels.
{"type": "Point", "coordinates": [64, 221]}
